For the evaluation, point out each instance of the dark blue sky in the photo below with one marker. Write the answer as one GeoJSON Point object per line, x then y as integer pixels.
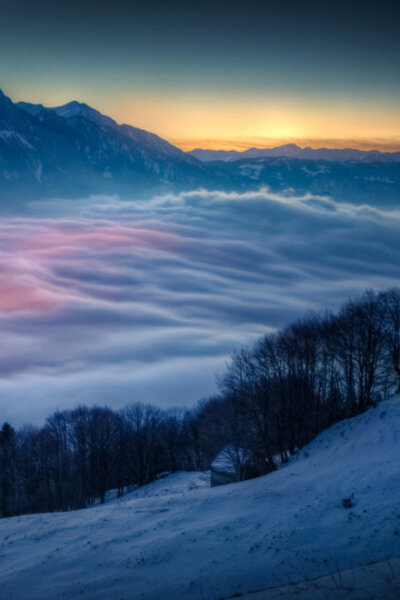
{"type": "Point", "coordinates": [224, 70]}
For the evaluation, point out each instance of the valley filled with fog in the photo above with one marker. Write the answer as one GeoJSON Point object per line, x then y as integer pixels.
{"type": "Point", "coordinates": [112, 301]}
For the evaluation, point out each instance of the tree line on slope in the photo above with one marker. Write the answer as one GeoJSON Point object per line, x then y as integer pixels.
{"type": "Point", "coordinates": [275, 396]}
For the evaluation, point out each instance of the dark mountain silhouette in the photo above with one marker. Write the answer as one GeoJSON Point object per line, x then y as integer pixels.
{"type": "Point", "coordinates": [295, 151]}
{"type": "Point", "coordinates": [74, 149]}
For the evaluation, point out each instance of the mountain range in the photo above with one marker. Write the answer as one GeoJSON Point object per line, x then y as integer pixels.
{"type": "Point", "coordinates": [75, 151]}
{"type": "Point", "coordinates": [295, 151]}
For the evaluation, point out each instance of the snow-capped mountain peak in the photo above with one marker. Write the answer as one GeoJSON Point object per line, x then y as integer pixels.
{"type": "Point", "coordinates": [76, 145]}
{"type": "Point", "coordinates": [80, 109]}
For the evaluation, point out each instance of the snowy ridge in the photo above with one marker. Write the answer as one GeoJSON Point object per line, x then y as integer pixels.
{"type": "Point", "coordinates": [178, 539]}
{"type": "Point", "coordinates": [295, 151]}
{"type": "Point", "coordinates": [81, 152]}
{"type": "Point", "coordinates": [13, 136]}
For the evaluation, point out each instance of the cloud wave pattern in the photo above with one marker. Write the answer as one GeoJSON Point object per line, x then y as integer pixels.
{"type": "Point", "coordinates": [110, 301]}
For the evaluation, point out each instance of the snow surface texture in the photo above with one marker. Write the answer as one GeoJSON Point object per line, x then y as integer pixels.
{"type": "Point", "coordinates": [371, 582]}
{"type": "Point", "coordinates": [178, 539]}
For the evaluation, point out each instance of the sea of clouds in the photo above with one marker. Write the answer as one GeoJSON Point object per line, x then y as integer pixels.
{"type": "Point", "coordinates": [108, 301]}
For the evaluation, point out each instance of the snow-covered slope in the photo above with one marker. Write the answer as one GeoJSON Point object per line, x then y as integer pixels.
{"type": "Point", "coordinates": [179, 539]}
{"type": "Point", "coordinates": [78, 151]}
{"type": "Point", "coordinates": [374, 581]}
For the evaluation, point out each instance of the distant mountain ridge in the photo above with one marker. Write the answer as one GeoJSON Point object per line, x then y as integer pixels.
{"type": "Point", "coordinates": [295, 151]}
{"type": "Point", "coordinates": [74, 149]}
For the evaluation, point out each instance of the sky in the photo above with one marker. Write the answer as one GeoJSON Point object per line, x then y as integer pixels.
{"type": "Point", "coordinates": [214, 74]}
{"type": "Point", "coordinates": [109, 302]}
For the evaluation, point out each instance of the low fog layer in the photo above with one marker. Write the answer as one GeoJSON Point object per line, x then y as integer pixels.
{"type": "Point", "coordinates": [107, 301]}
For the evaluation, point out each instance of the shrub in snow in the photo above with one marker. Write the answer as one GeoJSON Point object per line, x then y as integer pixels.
{"type": "Point", "coordinates": [348, 502]}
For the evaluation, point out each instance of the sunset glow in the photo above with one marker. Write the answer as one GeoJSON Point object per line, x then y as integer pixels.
{"type": "Point", "coordinates": [199, 286]}
{"type": "Point", "coordinates": [220, 123]}
{"type": "Point", "coordinates": [217, 78]}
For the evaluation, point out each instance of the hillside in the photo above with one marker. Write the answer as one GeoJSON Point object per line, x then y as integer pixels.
{"type": "Point", "coordinates": [74, 150]}
{"type": "Point", "coordinates": [352, 181]}
{"type": "Point", "coordinates": [178, 539]}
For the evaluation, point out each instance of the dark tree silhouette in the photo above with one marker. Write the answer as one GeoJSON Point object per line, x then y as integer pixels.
{"type": "Point", "coordinates": [275, 396]}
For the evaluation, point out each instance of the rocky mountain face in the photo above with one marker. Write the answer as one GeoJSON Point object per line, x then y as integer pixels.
{"type": "Point", "coordinates": [74, 149]}
{"type": "Point", "coordinates": [353, 181]}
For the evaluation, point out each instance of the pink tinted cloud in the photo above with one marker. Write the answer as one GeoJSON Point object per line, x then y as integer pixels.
{"type": "Point", "coordinates": [17, 297]}
{"type": "Point", "coordinates": [70, 239]}
{"type": "Point", "coordinates": [24, 285]}
{"type": "Point", "coordinates": [27, 253]}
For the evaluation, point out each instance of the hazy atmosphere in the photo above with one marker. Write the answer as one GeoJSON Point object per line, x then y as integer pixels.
{"type": "Point", "coordinates": [199, 300]}
{"type": "Point", "coordinates": [104, 301]}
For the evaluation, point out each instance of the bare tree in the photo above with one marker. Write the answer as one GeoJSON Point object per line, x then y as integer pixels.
{"type": "Point", "coordinates": [391, 307]}
{"type": "Point", "coordinates": [7, 471]}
